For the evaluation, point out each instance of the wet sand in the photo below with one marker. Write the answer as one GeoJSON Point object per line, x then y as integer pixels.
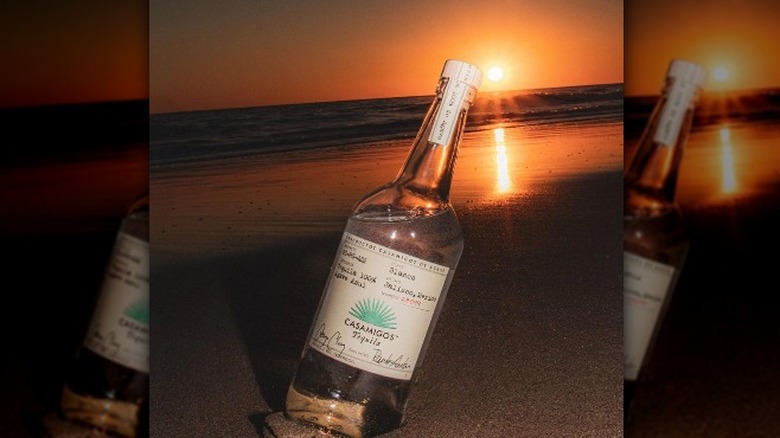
{"type": "Point", "coordinates": [530, 339]}
{"type": "Point", "coordinates": [81, 194]}
{"type": "Point", "coordinates": [228, 206]}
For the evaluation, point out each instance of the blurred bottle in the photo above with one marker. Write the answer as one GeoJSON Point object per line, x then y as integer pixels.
{"type": "Point", "coordinates": [655, 236]}
{"type": "Point", "coordinates": [108, 382]}
{"type": "Point", "coordinates": [388, 282]}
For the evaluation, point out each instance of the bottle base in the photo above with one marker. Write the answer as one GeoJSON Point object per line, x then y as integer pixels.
{"type": "Point", "coordinates": [342, 417]}
{"type": "Point", "coordinates": [115, 417]}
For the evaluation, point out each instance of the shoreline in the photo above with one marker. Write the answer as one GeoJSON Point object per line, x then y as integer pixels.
{"type": "Point", "coordinates": [238, 204]}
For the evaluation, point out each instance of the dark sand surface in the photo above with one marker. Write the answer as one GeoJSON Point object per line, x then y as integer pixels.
{"type": "Point", "coordinates": [530, 338]}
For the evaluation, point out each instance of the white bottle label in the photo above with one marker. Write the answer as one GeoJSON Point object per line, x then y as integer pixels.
{"type": "Point", "coordinates": [458, 95]}
{"type": "Point", "coordinates": [377, 308]}
{"type": "Point", "coordinates": [673, 112]}
{"type": "Point", "coordinates": [119, 330]}
{"type": "Point", "coordinates": [645, 287]}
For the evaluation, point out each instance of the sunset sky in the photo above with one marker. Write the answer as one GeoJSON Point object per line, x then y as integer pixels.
{"type": "Point", "coordinates": [207, 54]}
{"type": "Point", "coordinates": [237, 53]}
{"type": "Point", "coordinates": [737, 41]}
{"type": "Point", "coordinates": [73, 52]}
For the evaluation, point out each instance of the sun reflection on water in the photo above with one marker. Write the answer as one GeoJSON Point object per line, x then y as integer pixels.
{"type": "Point", "coordinates": [728, 161]}
{"type": "Point", "coordinates": [503, 182]}
{"type": "Point", "coordinates": [729, 180]}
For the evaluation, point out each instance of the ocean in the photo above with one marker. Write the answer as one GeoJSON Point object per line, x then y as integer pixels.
{"type": "Point", "coordinates": [196, 136]}
{"type": "Point", "coordinates": [233, 179]}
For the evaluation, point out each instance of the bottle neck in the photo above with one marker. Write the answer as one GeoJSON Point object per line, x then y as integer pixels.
{"type": "Point", "coordinates": [429, 167]}
{"type": "Point", "coordinates": [136, 220]}
{"type": "Point", "coordinates": [651, 178]}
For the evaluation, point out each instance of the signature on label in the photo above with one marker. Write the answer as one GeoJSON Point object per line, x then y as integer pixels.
{"type": "Point", "coordinates": [330, 343]}
{"type": "Point", "coordinates": [398, 363]}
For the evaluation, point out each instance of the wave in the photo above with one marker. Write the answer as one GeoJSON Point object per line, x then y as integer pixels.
{"type": "Point", "coordinates": [201, 135]}
{"type": "Point", "coordinates": [752, 105]}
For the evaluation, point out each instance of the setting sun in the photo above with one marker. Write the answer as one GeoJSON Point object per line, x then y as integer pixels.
{"type": "Point", "coordinates": [724, 75]}
{"type": "Point", "coordinates": [495, 73]}
{"type": "Point", "coordinates": [720, 73]}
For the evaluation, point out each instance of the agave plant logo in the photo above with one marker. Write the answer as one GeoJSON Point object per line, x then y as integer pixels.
{"type": "Point", "coordinates": [374, 312]}
{"type": "Point", "coordinates": [139, 311]}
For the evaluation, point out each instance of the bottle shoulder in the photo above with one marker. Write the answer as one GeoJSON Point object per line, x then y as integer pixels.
{"type": "Point", "coordinates": [402, 200]}
{"type": "Point", "coordinates": [437, 238]}
{"type": "Point", "coordinates": [645, 202]}
{"type": "Point", "coordinates": [659, 234]}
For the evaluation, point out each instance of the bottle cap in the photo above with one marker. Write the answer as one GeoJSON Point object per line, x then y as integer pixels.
{"type": "Point", "coordinates": [462, 72]}
{"type": "Point", "coordinates": [687, 71]}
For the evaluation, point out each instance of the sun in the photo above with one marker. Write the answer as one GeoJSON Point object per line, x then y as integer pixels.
{"type": "Point", "coordinates": [720, 73]}
{"type": "Point", "coordinates": [722, 76]}
{"type": "Point", "coordinates": [495, 73]}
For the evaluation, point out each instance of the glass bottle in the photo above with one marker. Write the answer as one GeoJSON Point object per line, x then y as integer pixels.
{"type": "Point", "coordinates": [108, 382]}
{"type": "Point", "coordinates": [388, 282]}
{"type": "Point", "coordinates": [655, 237]}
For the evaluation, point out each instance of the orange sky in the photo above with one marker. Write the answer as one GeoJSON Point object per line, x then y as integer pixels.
{"type": "Point", "coordinates": [739, 37]}
{"type": "Point", "coordinates": [73, 52]}
{"type": "Point", "coordinates": [233, 53]}
{"type": "Point", "coordinates": [228, 54]}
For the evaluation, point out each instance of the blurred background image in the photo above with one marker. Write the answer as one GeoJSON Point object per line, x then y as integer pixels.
{"type": "Point", "coordinates": [74, 113]}
{"type": "Point", "coordinates": [713, 370]}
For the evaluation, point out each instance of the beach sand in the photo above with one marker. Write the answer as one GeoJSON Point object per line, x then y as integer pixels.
{"type": "Point", "coordinates": [529, 342]}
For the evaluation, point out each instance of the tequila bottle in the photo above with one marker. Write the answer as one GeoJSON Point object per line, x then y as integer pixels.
{"type": "Point", "coordinates": [655, 236]}
{"type": "Point", "coordinates": [108, 382]}
{"type": "Point", "coordinates": [388, 282]}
